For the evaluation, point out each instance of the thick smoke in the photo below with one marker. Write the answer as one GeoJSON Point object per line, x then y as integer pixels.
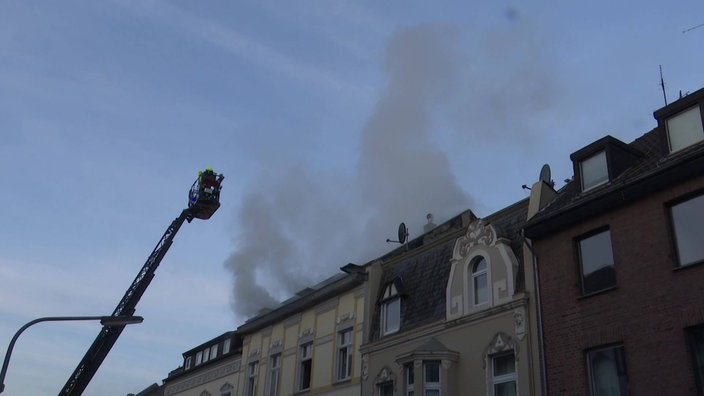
{"type": "Point", "coordinates": [300, 227]}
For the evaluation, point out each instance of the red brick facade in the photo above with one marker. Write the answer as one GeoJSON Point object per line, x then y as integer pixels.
{"type": "Point", "coordinates": [647, 312]}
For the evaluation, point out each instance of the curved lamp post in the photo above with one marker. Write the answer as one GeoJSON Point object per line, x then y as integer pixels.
{"type": "Point", "coordinates": [104, 320]}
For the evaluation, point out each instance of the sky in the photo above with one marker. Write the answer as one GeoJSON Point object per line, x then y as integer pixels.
{"type": "Point", "coordinates": [332, 121]}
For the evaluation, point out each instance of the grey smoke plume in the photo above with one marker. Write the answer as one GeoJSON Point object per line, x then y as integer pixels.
{"type": "Point", "coordinates": [301, 226]}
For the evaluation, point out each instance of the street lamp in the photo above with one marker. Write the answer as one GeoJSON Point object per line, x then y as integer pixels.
{"type": "Point", "coordinates": [104, 320]}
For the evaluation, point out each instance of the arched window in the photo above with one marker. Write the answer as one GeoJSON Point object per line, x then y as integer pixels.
{"type": "Point", "coordinates": [480, 281]}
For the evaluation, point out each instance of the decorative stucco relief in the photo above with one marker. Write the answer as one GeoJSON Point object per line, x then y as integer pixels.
{"type": "Point", "coordinates": [478, 233]}
{"type": "Point", "coordinates": [502, 342]}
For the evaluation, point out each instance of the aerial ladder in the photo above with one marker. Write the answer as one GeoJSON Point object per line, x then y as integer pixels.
{"type": "Point", "coordinates": [203, 201]}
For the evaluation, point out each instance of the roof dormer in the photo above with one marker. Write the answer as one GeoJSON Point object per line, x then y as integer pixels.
{"type": "Point", "coordinates": [681, 122]}
{"type": "Point", "coordinates": [602, 161]}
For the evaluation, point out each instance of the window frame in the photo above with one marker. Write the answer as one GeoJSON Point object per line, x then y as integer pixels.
{"type": "Point", "coordinates": [579, 250]}
{"type": "Point", "coordinates": [602, 178]}
{"type": "Point", "coordinates": [252, 373]}
{"type": "Point", "coordinates": [620, 358]}
{"type": "Point", "coordinates": [697, 195]}
{"type": "Point", "coordinates": [199, 358]}
{"type": "Point", "coordinates": [476, 275]}
{"type": "Point", "coordinates": [274, 370]}
{"type": "Point", "coordinates": [503, 378]}
{"type": "Point", "coordinates": [305, 365]}
{"type": "Point", "coordinates": [695, 344]}
{"type": "Point", "coordinates": [390, 297]}
{"type": "Point", "coordinates": [409, 378]}
{"type": "Point", "coordinates": [226, 345]}
{"type": "Point", "coordinates": [429, 386]}
{"type": "Point", "coordinates": [668, 129]}
{"type": "Point", "coordinates": [343, 358]}
{"type": "Point", "coordinates": [382, 385]}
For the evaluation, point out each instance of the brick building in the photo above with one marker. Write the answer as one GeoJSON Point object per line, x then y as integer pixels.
{"type": "Point", "coordinates": [620, 251]}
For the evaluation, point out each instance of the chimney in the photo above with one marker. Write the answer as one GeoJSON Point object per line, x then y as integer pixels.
{"type": "Point", "coordinates": [430, 225]}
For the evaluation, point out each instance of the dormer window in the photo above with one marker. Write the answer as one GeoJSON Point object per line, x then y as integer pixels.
{"type": "Point", "coordinates": [685, 129]}
{"type": "Point", "coordinates": [390, 310]}
{"type": "Point", "coordinates": [594, 171]}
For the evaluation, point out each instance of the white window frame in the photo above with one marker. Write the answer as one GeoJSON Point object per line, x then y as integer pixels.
{"type": "Point", "coordinates": [206, 354]}
{"type": "Point", "coordinates": [213, 351]}
{"type": "Point", "coordinates": [685, 129]}
{"type": "Point", "coordinates": [429, 386]}
{"type": "Point", "coordinates": [595, 163]}
{"type": "Point", "coordinates": [390, 310]}
{"type": "Point", "coordinates": [274, 370]}
{"type": "Point", "coordinates": [409, 375]}
{"type": "Point", "coordinates": [478, 274]}
{"type": "Point", "coordinates": [199, 357]}
{"type": "Point", "coordinates": [189, 362]}
{"type": "Point", "coordinates": [252, 371]}
{"type": "Point", "coordinates": [503, 378]}
{"type": "Point", "coordinates": [344, 354]}
{"type": "Point", "coordinates": [305, 360]}
{"type": "Point", "coordinates": [226, 346]}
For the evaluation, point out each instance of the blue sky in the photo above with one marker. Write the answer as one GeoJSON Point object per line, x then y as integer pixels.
{"type": "Point", "coordinates": [332, 121]}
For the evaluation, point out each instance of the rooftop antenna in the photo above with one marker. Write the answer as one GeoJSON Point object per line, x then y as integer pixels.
{"type": "Point", "coordinates": [662, 85]}
{"type": "Point", "coordinates": [692, 28]}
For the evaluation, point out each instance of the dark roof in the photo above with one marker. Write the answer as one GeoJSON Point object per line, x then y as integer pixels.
{"type": "Point", "coordinates": [424, 269]}
{"type": "Point", "coordinates": [652, 169]}
{"type": "Point", "coordinates": [353, 276]}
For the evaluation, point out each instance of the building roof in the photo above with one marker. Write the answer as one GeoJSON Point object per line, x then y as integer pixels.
{"type": "Point", "coordinates": [651, 167]}
{"type": "Point", "coordinates": [423, 270]}
{"type": "Point", "coordinates": [352, 276]}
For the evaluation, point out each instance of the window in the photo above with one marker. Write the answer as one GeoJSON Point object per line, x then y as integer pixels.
{"type": "Point", "coordinates": [480, 281]}
{"type": "Point", "coordinates": [410, 379]}
{"type": "Point", "coordinates": [344, 355]}
{"type": "Point", "coordinates": [305, 368]}
{"type": "Point", "coordinates": [252, 370]}
{"type": "Point", "coordinates": [607, 371]}
{"type": "Point", "coordinates": [214, 351]}
{"type": "Point", "coordinates": [504, 375]}
{"type": "Point", "coordinates": [199, 358]}
{"type": "Point", "coordinates": [226, 346]}
{"type": "Point", "coordinates": [206, 355]}
{"type": "Point", "coordinates": [696, 344]}
{"type": "Point", "coordinates": [226, 390]}
{"type": "Point", "coordinates": [597, 263]}
{"type": "Point", "coordinates": [431, 379]}
{"type": "Point", "coordinates": [687, 220]}
{"type": "Point", "coordinates": [274, 368]}
{"type": "Point", "coordinates": [385, 389]}
{"type": "Point", "coordinates": [188, 362]}
{"type": "Point", "coordinates": [390, 310]}
{"type": "Point", "coordinates": [594, 171]}
{"type": "Point", "coordinates": [685, 129]}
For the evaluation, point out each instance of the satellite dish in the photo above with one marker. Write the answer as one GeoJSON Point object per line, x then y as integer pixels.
{"type": "Point", "coordinates": [545, 176]}
{"type": "Point", "coordinates": [402, 233]}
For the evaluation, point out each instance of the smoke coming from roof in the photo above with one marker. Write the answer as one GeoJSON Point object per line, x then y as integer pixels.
{"type": "Point", "coordinates": [300, 226]}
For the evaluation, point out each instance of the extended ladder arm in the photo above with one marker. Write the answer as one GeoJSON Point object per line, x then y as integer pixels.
{"type": "Point", "coordinates": [107, 337]}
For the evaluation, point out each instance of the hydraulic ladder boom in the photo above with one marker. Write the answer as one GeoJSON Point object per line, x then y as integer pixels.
{"type": "Point", "coordinates": [202, 207]}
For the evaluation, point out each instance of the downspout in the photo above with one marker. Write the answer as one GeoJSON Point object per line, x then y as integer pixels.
{"type": "Point", "coordinates": [541, 341]}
